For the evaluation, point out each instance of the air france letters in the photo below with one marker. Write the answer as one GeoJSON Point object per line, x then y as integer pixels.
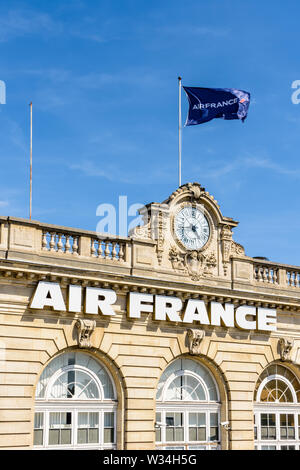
{"type": "Point", "coordinates": [163, 308]}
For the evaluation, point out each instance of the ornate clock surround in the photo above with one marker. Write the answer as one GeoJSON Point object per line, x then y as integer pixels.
{"type": "Point", "coordinates": [183, 205]}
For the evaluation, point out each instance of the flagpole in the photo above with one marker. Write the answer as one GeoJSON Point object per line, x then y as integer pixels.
{"type": "Point", "coordinates": [30, 193]}
{"type": "Point", "coordinates": [179, 131]}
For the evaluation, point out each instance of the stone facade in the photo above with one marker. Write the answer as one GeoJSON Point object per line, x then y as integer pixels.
{"type": "Point", "coordinates": [137, 351]}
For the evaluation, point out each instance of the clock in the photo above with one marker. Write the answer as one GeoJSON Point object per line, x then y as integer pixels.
{"type": "Point", "coordinates": [191, 228]}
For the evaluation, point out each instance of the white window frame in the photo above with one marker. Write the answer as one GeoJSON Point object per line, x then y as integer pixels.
{"type": "Point", "coordinates": [48, 404]}
{"type": "Point", "coordinates": [189, 406]}
{"type": "Point", "coordinates": [276, 377]}
{"type": "Point", "coordinates": [277, 408]}
{"type": "Point", "coordinates": [101, 408]}
{"type": "Point", "coordinates": [186, 408]}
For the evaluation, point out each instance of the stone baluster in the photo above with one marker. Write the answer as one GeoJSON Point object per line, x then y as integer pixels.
{"type": "Point", "coordinates": [68, 244]}
{"type": "Point", "coordinates": [94, 251]}
{"type": "Point", "coordinates": [121, 252]}
{"type": "Point", "coordinates": [270, 276]}
{"type": "Point", "coordinates": [59, 243]}
{"type": "Point", "coordinates": [44, 241]}
{"type": "Point", "coordinates": [264, 274]}
{"type": "Point", "coordinates": [52, 243]}
{"type": "Point", "coordinates": [259, 274]}
{"type": "Point", "coordinates": [114, 250]}
{"type": "Point", "coordinates": [100, 249]}
{"type": "Point", "coordinates": [75, 246]}
{"type": "Point", "coordinates": [107, 250]}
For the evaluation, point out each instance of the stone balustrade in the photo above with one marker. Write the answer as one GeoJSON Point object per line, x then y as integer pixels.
{"type": "Point", "coordinates": [21, 235]}
{"type": "Point", "coordinates": [276, 274]}
{"type": "Point", "coordinates": [60, 242]}
{"type": "Point", "coordinates": [266, 273]}
{"type": "Point", "coordinates": [108, 249]}
{"type": "Point", "coordinates": [293, 277]}
{"type": "Point", "coordinates": [21, 239]}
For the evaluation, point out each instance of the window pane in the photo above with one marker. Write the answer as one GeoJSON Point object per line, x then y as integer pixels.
{"type": "Point", "coordinates": [108, 420]}
{"type": "Point", "coordinates": [108, 427]}
{"type": "Point", "coordinates": [179, 434]}
{"type": "Point", "coordinates": [108, 435]}
{"type": "Point", "coordinates": [38, 420]}
{"type": "Point", "coordinates": [272, 420]}
{"type": "Point", "coordinates": [54, 420]}
{"type": "Point", "coordinates": [169, 434]}
{"type": "Point", "coordinates": [283, 420]}
{"type": "Point", "coordinates": [66, 419]}
{"type": "Point", "coordinates": [264, 432]}
{"type": "Point", "coordinates": [264, 420]}
{"type": "Point", "coordinates": [193, 389]}
{"type": "Point", "coordinates": [178, 419]}
{"type": "Point", "coordinates": [291, 421]}
{"type": "Point", "coordinates": [214, 434]}
{"type": "Point", "coordinates": [82, 436]}
{"type": "Point", "coordinates": [83, 419]}
{"type": "Point", "coordinates": [272, 433]}
{"type": "Point", "coordinates": [94, 419]}
{"type": "Point", "coordinates": [66, 436]}
{"type": "Point", "coordinates": [201, 434]}
{"type": "Point", "coordinates": [283, 433]}
{"type": "Point", "coordinates": [158, 434]}
{"type": "Point", "coordinates": [53, 437]}
{"type": "Point", "coordinates": [213, 419]}
{"type": "Point", "coordinates": [193, 434]}
{"type": "Point", "coordinates": [193, 419]}
{"type": "Point", "coordinates": [38, 437]}
{"type": "Point", "coordinates": [94, 436]}
{"type": "Point", "coordinates": [170, 420]}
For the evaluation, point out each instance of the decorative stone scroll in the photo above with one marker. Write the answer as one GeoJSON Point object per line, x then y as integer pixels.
{"type": "Point", "coordinates": [194, 339]}
{"type": "Point", "coordinates": [85, 329]}
{"type": "Point", "coordinates": [285, 347]}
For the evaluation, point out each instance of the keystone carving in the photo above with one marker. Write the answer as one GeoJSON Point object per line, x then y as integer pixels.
{"type": "Point", "coordinates": [85, 329]}
{"type": "Point", "coordinates": [285, 347]}
{"type": "Point", "coordinates": [194, 264]}
{"type": "Point", "coordinates": [194, 340]}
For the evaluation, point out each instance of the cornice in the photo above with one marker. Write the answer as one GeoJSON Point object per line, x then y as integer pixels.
{"type": "Point", "coordinates": [30, 275]}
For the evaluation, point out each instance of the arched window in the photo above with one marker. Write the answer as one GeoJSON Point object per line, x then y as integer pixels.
{"type": "Point", "coordinates": [75, 404]}
{"type": "Point", "coordinates": [187, 407]}
{"type": "Point", "coordinates": [277, 410]}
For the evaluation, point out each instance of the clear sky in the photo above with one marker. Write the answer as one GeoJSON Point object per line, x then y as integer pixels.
{"type": "Point", "coordinates": [102, 75]}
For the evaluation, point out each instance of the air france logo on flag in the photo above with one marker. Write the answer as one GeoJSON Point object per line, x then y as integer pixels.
{"type": "Point", "coordinates": [206, 104]}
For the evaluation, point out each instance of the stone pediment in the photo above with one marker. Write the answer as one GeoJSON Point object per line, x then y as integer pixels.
{"type": "Point", "coordinates": [192, 236]}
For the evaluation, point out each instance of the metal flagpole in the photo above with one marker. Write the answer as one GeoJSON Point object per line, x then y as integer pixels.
{"type": "Point", "coordinates": [30, 197]}
{"type": "Point", "coordinates": [179, 129]}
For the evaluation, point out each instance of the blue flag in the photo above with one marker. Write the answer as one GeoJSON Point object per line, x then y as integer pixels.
{"type": "Point", "coordinates": [210, 103]}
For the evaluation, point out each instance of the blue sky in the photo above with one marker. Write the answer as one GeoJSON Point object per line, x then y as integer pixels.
{"type": "Point", "coordinates": [102, 76]}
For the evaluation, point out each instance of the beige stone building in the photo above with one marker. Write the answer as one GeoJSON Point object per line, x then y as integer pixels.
{"type": "Point", "coordinates": [172, 338]}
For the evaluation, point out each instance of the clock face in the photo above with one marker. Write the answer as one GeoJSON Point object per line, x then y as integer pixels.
{"type": "Point", "coordinates": [192, 228]}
